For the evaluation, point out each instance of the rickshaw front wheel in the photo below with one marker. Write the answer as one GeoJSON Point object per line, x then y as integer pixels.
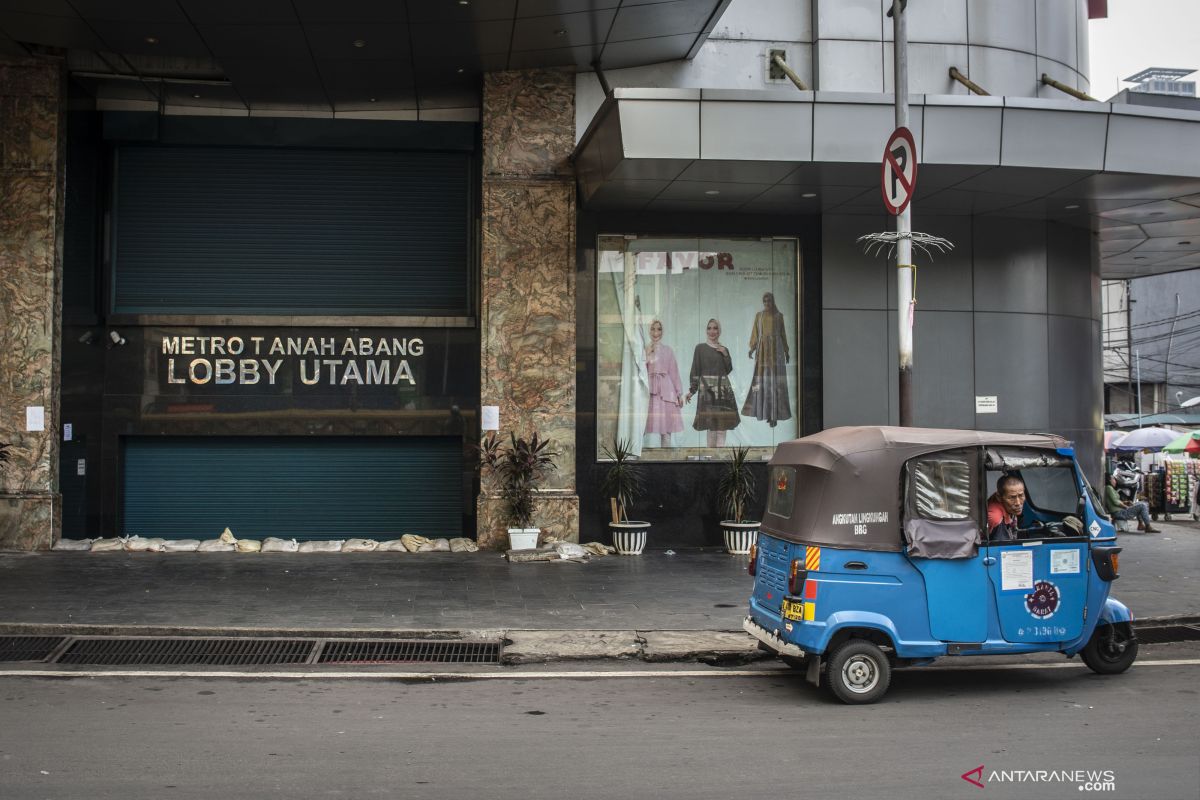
{"type": "Point", "coordinates": [858, 672]}
{"type": "Point", "coordinates": [1111, 650]}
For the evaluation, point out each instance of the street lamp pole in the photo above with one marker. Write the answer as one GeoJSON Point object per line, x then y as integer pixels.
{"type": "Point", "coordinates": [905, 309]}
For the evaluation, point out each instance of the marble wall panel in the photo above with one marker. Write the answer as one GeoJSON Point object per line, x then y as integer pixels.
{"type": "Point", "coordinates": [529, 122]}
{"type": "Point", "coordinates": [28, 523]}
{"type": "Point", "coordinates": [32, 177]}
{"type": "Point", "coordinates": [556, 514]}
{"type": "Point", "coordinates": [529, 311]}
{"type": "Point", "coordinates": [528, 281]}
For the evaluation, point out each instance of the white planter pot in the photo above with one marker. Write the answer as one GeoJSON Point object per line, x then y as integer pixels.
{"type": "Point", "coordinates": [739, 536]}
{"type": "Point", "coordinates": [523, 538]}
{"type": "Point", "coordinates": [629, 537]}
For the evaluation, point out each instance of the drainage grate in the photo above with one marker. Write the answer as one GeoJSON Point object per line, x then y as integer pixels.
{"type": "Point", "coordinates": [409, 650]}
{"type": "Point", "coordinates": [215, 652]}
{"type": "Point", "coordinates": [28, 648]}
{"type": "Point", "coordinates": [1163, 634]}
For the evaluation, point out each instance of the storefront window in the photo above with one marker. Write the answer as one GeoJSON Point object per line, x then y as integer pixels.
{"type": "Point", "coordinates": [696, 345]}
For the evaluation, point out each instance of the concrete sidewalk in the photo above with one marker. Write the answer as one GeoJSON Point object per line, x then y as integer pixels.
{"type": "Point", "coordinates": [623, 602]}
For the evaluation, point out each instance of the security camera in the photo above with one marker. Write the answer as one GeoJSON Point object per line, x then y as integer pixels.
{"type": "Point", "coordinates": [116, 339]}
{"type": "Point", "coordinates": [86, 337]}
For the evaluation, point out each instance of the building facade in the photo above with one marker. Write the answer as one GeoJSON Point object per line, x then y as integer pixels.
{"type": "Point", "coordinates": [273, 288]}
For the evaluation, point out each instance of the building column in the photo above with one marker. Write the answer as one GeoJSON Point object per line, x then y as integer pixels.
{"type": "Point", "coordinates": [32, 174]}
{"type": "Point", "coordinates": [528, 282]}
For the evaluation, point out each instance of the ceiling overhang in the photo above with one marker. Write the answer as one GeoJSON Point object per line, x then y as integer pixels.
{"type": "Point", "coordinates": [364, 56]}
{"type": "Point", "coordinates": [1131, 173]}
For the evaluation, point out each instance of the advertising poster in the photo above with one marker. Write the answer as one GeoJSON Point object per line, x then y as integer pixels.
{"type": "Point", "coordinates": [696, 345]}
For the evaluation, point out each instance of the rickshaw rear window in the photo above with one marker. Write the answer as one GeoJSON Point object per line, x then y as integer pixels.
{"type": "Point", "coordinates": [782, 494]}
{"type": "Point", "coordinates": [941, 485]}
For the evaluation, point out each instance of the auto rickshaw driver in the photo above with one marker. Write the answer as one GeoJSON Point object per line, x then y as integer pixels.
{"type": "Point", "coordinates": [1004, 509]}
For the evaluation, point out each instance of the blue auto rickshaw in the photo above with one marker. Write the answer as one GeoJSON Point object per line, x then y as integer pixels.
{"type": "Point", "coordinates": [874, 554]}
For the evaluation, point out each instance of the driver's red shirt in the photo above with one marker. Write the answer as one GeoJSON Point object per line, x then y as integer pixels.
{"type": "Point", "coordinates": [996, 515]}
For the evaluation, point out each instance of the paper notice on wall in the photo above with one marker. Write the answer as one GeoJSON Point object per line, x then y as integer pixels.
{"type": "Point", "coordinates": [68, 431]}
{"type": "Point", "coordinates": [489, 418]}
{"type": "Point", "coordinates": [35, 418]}
{"type": "Point", "coordinates": [1016, 570]}
{"type": "Point", "coordinates": [986, 404]}
{"type": "Point", "coordinates": [81, 467]}
{"type": "Point", "coordinates": [1064, 562]}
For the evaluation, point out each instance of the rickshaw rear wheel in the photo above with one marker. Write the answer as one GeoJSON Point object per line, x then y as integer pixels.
{"type": "Point", "coordinates": [1111, 650]}
{"type": "Point", "coordinates": [858, 672]}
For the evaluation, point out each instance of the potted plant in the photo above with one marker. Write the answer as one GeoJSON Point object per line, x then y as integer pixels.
{"type": "Point", "coordinates": [519, 467]}
{"type": "Point", "coordinates": [623, 484]}
{"type": "Point", "coordinates": [735, 492]}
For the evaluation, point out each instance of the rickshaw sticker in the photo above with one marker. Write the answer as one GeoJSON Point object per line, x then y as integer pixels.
{"type": "Point", "coordinates": [1016, 570]}
{"type": "Point", "coordinates": [1094, 528]}
{"type": "Point", "coordinates": [1042, 602]}
{"type": "Point", "coordinates": [1064, 562]}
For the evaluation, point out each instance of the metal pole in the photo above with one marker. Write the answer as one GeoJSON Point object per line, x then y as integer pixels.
{"type": "Point", "coordinates": [1062, 87]}
{"type": "Point", "coordinates": [905, 309]}
{"type": "Point", "coordinates": [967, 82]}
{"type": "Point", "coordinates": [1129, 333]}
{"type": "Point", "coordinates": [1137, 359]}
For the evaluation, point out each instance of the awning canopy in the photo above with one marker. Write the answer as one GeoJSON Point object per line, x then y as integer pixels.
{"type": "Point", "coordinates": [1132, 173]}
{"type": "Point", "coordinates": [376, 56]}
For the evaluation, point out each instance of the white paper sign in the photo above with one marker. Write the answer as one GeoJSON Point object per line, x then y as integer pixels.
{"type": "Point", "coordinates": [35, 418]}
{"type": "Point", "coordinates": [1016, 570]}
{"type": "Point", "coordinates": [489, 418]}
{"type": "Point", "coordinates": [1064, 562]}
{"type": "Point", "coordinates": [68, 431]}
{"type": "Point", "coordinates": [81, 467]}
{"type": "Point", "coordinates": [986, 404]}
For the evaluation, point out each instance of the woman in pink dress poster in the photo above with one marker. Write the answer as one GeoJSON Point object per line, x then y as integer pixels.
{"type": "Point", "coordinates": [664, 416]}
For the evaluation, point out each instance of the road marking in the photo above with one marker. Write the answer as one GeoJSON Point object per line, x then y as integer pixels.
{"type": "Point", "coordinates": [517, 676]}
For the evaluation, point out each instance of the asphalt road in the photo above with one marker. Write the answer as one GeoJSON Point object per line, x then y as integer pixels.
{"type": "Point", "coordinates": [666, 733]}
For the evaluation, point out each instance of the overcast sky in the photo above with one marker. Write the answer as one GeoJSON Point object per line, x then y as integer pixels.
{"type": "Point", "coordinates": [1140, 34]}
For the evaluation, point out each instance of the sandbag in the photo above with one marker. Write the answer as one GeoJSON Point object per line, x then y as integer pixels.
{"type": "Point", "coordinates": [72, 544]}
{"type": "Point", "coordinates": [181, 545]}
{"type": "Point", "coordinates": [598, 549]}
{"type": "Point", "coordinates": [110, 545]}
{"type": "Point", "coordinates": [228, 537]}
{"type": "Point", "coordinates": [571, 550]}
{"type": "Point", "coordinates": [435, 546]}
{"type": "Point", "coordinates": [463, 545]}
{"type": "Point", "coordinates": [216, 546]}
{"type": "Point", "coordinates": [392, 546]}
{"type": "Point", "coordinates": [359, 546]}
{"type": "Point", "coordinates": [273, 544]}
{"type": "Point", "coordinates": [522, 556]}
{"type": "Point", "coordinates": [248, 546]}
{"type": "Point", "coordinates": [413, 542]}
{"type": "Point", "coordinates": [322, 547]}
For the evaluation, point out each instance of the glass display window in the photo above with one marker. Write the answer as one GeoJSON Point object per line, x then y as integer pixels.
{"type": "Point", "coordinates": [696, 345]}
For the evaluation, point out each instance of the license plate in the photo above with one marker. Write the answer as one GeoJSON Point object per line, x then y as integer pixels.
{"type": "Point", "coordinates": [793, 609]}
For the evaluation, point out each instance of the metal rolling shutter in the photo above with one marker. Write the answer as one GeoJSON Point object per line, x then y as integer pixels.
{"type": "Point", "coordinates": [244, 230]}
{"type": "Point", "coordinates": [292, 487]}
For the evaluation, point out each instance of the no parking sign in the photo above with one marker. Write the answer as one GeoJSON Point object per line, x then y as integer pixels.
{"type": "Point", "coordinates": [899, 170]}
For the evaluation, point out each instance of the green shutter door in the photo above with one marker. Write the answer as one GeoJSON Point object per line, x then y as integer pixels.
{"type": "Point", "coordinates": [242, 230]}
{"type": "Point", "coordinates": [292, 487]}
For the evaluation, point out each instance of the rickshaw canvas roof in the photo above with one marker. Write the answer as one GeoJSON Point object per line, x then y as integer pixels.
{"type": "Point", "coordinates": [848, 478]}
{"type": "Point", "coordinates": [825, 448]}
